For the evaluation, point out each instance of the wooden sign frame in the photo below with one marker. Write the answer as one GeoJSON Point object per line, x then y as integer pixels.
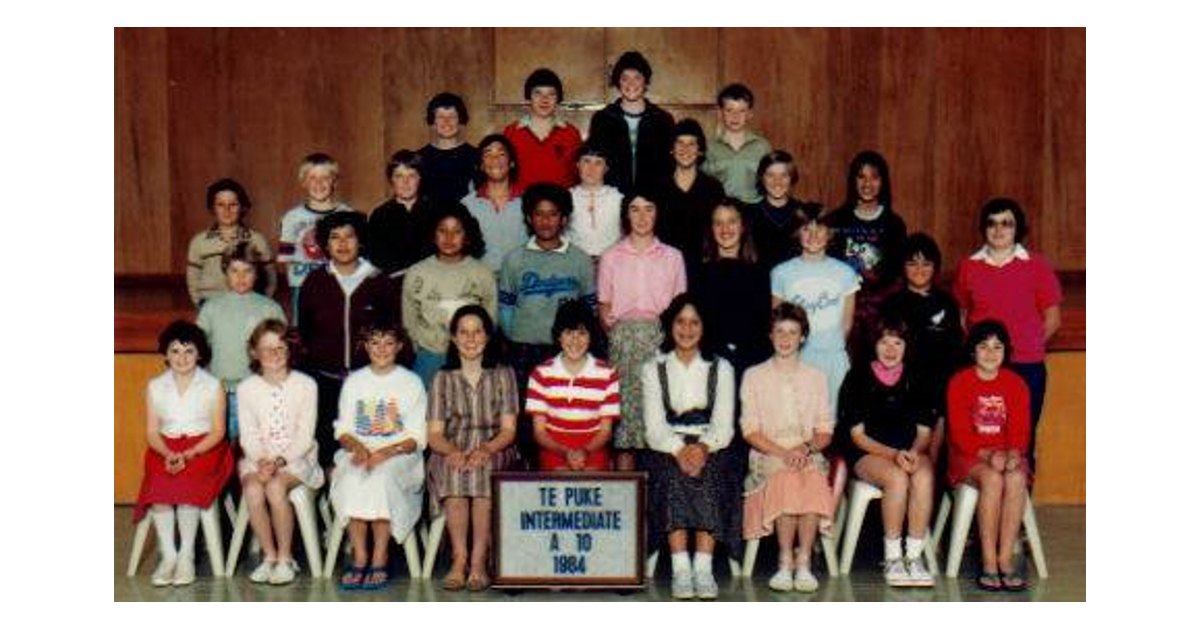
{"type": "Point", "coordinates": [635, 580]}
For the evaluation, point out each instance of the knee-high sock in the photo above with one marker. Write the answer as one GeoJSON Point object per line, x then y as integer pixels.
{"type": "Point", "coordinates": [164, 525]}
{"type": "Point", "coordinates": [189, 522]}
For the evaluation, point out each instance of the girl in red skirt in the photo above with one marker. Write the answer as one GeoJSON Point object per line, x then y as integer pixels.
{"type": "Point", "coordinates": [187, 460]}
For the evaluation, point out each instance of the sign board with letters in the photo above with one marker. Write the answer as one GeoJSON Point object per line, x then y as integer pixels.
{"type": "Point", "coordinates": [579, 530]}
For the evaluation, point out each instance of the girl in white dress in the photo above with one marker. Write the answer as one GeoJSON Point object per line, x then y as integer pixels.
{"type": "Point", "coordinates": [378, 479]}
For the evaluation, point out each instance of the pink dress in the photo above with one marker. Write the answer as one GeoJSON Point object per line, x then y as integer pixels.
{"type": "Point", "coordinates": [785, 401]}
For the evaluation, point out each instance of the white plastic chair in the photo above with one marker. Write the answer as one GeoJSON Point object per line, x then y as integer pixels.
{"type": "Point", "coordinates": [964, 499]}
{"type": "Point", "coordinates": [412, 556]}
{"type": "Point", "coordinates": [861, 495]}
{"type": "Point", "coordinates": [303, 502]}
{"type": "Point", "coordinates": [431, 535]}
{"type": "Point", "coordinates": [210, 523]}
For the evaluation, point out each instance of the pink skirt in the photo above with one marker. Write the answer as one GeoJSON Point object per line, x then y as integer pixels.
{"type": "Point", "coordinates": [198, 484]}
{"type": "Point", "coordinates": [787, 492]}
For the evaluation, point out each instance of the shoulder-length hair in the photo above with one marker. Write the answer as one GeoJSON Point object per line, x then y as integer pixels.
{"type": "Point", "coordinates": [491, 351]}
{"type": "Point", "coordinates": [747, 252]}
{"type": "Point", "coordinates": [667, 321]}
{"type": "Point", "coordinates": [864, 159]}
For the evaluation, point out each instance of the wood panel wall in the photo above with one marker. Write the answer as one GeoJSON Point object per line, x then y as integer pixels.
{"type": "Point", "coordinates": [961, 114]}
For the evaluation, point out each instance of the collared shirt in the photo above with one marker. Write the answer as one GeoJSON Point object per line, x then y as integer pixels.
{"type": "Point", "coordinates": [596, 219]}
{"type": "Point", "coordinates": [188, 412]}
{"type": "Point", "coordinates": [205, 279]}
{"type": "Point", "coordinates": [639, 285]}
{"type": "Point", "coordinates": [1017, 292]}
{"type": "Point", "coordinates": [534, 281]}
{"type": "Point", "coordinates": [737, 169]}
{"type": "Point", "coordinates": [574, 403]}
{"type": "Point", "coordinates": [550, 160]}
{"type": "Point", "coordinates": [687, 386]}
{"type": "Point", "coordinates": [503, 228]}
{"type": "Point", "coordinates": [1018, 253]}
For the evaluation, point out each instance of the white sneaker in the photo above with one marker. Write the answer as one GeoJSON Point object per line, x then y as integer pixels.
{"type": "Point", "coordinates": [682, 586]}
{"type": "Point", "coordinates": [706, 585]}
{"type": "Point", "coordinates": [263, 572]}
{"type": "Point", "coordinates": [164, 574]}
{"type": "Point", "coordinates": [782, 580]}
{"type": "Point", "coordinates": [284, 572]}
{"type": "Point", "coordinates": [918, 575]}
{"type": "Point", "coordinates": [805, 581]}
{"type": "Point", "coordinates": [185, 571]}
{"type": "Point", "coordinates": [895, 573]}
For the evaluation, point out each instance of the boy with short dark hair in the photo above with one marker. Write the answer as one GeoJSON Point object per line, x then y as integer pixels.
{"type": "Point", "coordinates": [545, 144]}
{"type": "Point", "coordinates": [736, 150]}
{"type": "Point", "coordinates": [634, 133]}
{"type": "Point", "coordinates": [450, 161]}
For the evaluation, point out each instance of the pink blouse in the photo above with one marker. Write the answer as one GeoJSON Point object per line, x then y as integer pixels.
{"type": "Point", "coordinates": [639, 285]}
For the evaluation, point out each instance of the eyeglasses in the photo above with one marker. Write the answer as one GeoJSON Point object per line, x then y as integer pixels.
{"type": "Point", "coordinates": [1002, 223]}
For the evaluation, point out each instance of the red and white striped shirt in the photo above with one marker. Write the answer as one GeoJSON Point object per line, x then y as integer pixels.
{"type": "Point", "coordinates": [574, 406]}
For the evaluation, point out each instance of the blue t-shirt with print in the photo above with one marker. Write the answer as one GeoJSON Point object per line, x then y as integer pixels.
{"type": "Point", "coordinates": [821, 288]}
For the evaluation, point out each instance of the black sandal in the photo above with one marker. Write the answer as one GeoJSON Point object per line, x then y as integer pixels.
{"type": "Point", "coordinates": [989, 582]}
{"type": "Point", "coordinates": [1013, 583]}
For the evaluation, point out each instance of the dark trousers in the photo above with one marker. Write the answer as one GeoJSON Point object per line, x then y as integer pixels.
{"type": "Point", "coordinates": [329, 388]}
{"type": "Point", "coordinates": [1034, 375]}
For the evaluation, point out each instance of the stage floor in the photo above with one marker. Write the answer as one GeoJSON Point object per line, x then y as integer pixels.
{"type": "Point", "coordinates": [1063, 531]}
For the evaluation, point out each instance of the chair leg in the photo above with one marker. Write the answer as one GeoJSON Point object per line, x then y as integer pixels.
{"type": "Point", "coordinates": [930, 558]}
{"type": "Point", "coordinates": [965, 499]}
{"type": "Point", "coordinates": [857, 510]}
{"type": "Point", "coordinates": [749, 558]}
{"type": "Point", "coordinates": [829, 547]}
{"type": "Point", "coordinates": [241, 522]}
{"type": "Point", "coordinates": [302, 502]}
{"type": "Point", "coordinates": [412, 557]}
{"type": "Point", "coordinates": [335, 543]}
{"type": "Point", "coordinates": [651, 565]}
{"type": "Point", "coordinates": [436, 529]}
{"type": "Point", "coordinates": [210, 522]}
{"type": "Point", "coordinates": [139, 543]}
{"type": "Point", "coordinates": [1029, 519]}
{"type": "Point", "coordinates": [939, 522]}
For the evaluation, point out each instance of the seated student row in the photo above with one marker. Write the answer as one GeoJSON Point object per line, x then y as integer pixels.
{"type": "Point", "coordinates": [695, 477]}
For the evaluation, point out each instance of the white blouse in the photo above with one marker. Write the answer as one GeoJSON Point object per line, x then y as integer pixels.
{"type": "Point", "coordinates": [689, 390]}
{"type": "Point", "coordinates": [186, 413]}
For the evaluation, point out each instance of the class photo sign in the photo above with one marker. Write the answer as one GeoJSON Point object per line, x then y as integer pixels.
{"type": "Point", "coordinates": [581, 530]}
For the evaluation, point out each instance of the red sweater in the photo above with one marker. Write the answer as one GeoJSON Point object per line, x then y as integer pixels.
{"type": "Point", "coordinates": [1016, 294]}
{"type": "Point", "coordinates": [551, 160]}
{"type": "Point", "coordinates": [985, 415]}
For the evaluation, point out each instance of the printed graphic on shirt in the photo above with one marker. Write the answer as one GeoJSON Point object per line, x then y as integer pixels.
{"type": "Point", "coordinates": [936, 320]}
{"type": "Point", "coordinates": [377, 417]}
{"type": "Point", "coordinates": [862, 255]}
{"type": "Point", "coordinates": [989, 414]}
{"type": "Point", "coordinates": [821, 299]}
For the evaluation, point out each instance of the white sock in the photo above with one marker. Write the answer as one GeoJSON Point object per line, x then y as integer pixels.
{"type": "Point", "coordinates": [913, 547]}
{"type": "Point", "coordinates": [164, 525]}
{"type": "Point", "coordinates": [189, 522]}
{"type": "Point", "coordinates": [702, 562]}
{"type": "Point", "coordinates": [680, 563]}
{"type": "Point", "coordinates": [891, 549]}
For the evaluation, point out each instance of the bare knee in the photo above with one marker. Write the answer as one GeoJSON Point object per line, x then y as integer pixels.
{"type": "Point", "coordinates": [895, 482]}
{"type": "Point", "coordinates": [1015, 482]}
{"type": "Point", "coordinates": [990, 482]}
{"type": "Point", "coordinates": [252, 490]}
{"type": "Point", "coordinates": [277, 492]}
